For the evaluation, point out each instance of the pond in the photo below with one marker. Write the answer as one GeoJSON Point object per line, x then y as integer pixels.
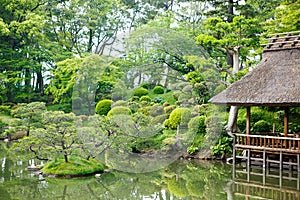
{"type": "Point", "coordinates": [182, 179]}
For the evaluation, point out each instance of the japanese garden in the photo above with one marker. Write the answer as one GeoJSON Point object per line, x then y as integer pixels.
{"type": "Point", "coordinates": [149, 99]}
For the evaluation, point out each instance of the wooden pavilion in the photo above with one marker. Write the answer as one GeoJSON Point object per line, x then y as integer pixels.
{"type": "Point", "coordinates": [274, 82]}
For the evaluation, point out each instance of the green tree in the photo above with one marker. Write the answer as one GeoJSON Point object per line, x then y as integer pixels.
{"type": "Point", "coordinates": [85, 26]}
{"type": "Point", "coordinates": [58, 137]}
{"type": "Point", "coordinates": [236, 38]}
{"type": "Point", "coordinates": [286, 18]}
{"type": "Point", "coordinates": [30, 114]}
{"type": "Point", "coordinates": [83, 81]}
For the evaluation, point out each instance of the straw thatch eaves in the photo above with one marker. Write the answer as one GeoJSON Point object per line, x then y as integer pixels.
{"type": "Point", "coordinates": [274, 82]}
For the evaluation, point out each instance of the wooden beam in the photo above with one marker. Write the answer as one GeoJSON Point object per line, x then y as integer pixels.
{"type": "Point", "coordinates": [286, 121]}
{"type": "Point", "coordinates": [248, 117]}
{"type": "Point", "coordinates": [248, 120]}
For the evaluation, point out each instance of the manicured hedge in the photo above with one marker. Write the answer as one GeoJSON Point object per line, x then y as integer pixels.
{"type": "Point", "coordinates": [103, 106]}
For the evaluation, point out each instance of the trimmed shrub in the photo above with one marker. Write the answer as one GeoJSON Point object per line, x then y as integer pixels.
{"type": "Point", "coordinates": [140, 92]}
{"type": "Point", "coordinates": [158, 89]}
{"type": "Point", "coordinates": [145, 98]}
{"type": "Point", "coordinates": [156, 110]}
{"type": "Point", "coordinates": [197, 125]}
{"type": "Point", "coordinates": [179, 116]}
{"type": "Point", "coordinates": [145, 85]}
{"type": "Point", "coordinates": [104, 106]}
{"type": "Point", "coordinates": [119, 110]}
{"type": "Point", "coordinates": [262, 126]}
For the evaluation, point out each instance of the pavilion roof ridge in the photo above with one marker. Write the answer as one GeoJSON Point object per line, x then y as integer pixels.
{"type": "Point", "coordinates": [283, 41]}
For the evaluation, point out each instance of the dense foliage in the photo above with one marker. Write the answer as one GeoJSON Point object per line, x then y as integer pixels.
{"type": "Point", "coordinates": [63, 61]}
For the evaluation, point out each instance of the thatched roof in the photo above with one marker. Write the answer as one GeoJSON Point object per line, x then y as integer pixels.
{"type": "Point", "coordinates": [274, 82]}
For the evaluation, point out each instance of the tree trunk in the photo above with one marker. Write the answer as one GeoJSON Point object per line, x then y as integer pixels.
{"type": "Point", "coordinates": [230, 11]}
{"type": "Point", "coordinates": [231, 126]}
{"type": "Point", "coordinates": [66, 157]}
{"type": "Point", "coordinates": [40, 81]}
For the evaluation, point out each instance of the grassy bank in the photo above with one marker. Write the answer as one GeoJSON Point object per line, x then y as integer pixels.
{"type": "Point", "coordinates": [75, 167]}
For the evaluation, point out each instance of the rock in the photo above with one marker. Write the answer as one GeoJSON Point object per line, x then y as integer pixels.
{"type": "Point", "coordinates": [97, 175]}
{"type": "Point", "coordinates": [6, 140]}
{"type": "Point", "coordinates": [41, 177]}
{"type": "Point", "coordinates": [34, 168]}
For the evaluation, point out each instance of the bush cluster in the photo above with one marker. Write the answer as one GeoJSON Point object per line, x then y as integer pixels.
{"type": "Point", "coordinates": [197, 125]}
{"type": "Point", "coordinates": [158, 89]}
{"type": "Point", "coordinates": [262, 126]}
{"type": "Point", "coordinates": [139, 92]}
{"type": "Point", "coordinates": [179, 116]}
{"type": "Point", "coordinates": [104, 106]}
{"type": "Point", "coordinates": [145, 98]}
{"type": "Point", "coordinates": [119, 110]}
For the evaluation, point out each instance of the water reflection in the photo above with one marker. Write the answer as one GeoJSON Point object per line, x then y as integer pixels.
{"type": "Point", "coordinates": [181, 180]}
{"type": "Point", "coordinates": [269, 183]}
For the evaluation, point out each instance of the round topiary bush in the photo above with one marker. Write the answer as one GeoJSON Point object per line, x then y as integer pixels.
{"type": "Point", "coordinates": [140, 92]}
{"type": "Point", "coordinates": [197, 125]}
{"type": "Point", "coordinates": [119, 110]}
{"type": "Point", "coordinates": [262, 126]}
{"type": "Point", "coordinates": [145, 98]}
{"type": "Point", "coordinates": [179, 116]}
{"type": "Point", "coordinates": [103, 106]}
{"type": "Point", "coordinates": [158, 89]}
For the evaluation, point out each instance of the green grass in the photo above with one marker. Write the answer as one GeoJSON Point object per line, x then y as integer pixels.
{"type": "Point", "coordinates": [166, 96]}
{"type": "Point", "coordinates": [75, 167]}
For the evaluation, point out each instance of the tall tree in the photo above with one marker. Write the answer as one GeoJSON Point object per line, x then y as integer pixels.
{"type": "Point", "coordinates": [85, 26]}
{"type": "Point", "coordinates": [235, 38]}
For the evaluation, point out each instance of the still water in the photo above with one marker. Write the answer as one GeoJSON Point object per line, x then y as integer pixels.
{"type": "Point", "coordinates": [181, 180]}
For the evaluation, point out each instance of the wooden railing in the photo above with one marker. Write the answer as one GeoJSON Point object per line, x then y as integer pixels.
{"type": "Point", "coordinates": [270, 143]}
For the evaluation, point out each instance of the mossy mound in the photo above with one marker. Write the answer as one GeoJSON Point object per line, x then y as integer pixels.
{"type": "Point", "coordinates": [74, 167]}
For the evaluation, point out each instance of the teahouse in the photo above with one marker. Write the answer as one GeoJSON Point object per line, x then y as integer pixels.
{"type": "Point", "coordinates": [274, 82]}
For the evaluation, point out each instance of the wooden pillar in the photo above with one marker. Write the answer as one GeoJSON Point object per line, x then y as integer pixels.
{"type": "Point", "coordinates": [248, 120]}
{"type": "Point", "coordinates": [264, 166]}
{"type": "Point", "coordinates": [286, 121]}
{"type": "Point", "coordinates": [234, 157]}
{"type": "Point", "coordinates": [248, 164]}
{"type": "Point", "coordinates": [248, 117]}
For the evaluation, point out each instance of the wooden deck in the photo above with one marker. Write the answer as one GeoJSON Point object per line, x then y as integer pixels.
{"type": "Point", "coordinates": [273, 144]}
{"type": "Point", "coordinates": [268, 150]}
